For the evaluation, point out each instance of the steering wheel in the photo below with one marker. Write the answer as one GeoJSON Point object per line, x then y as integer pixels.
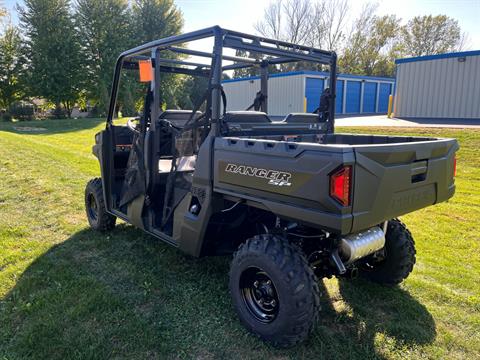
{"type": "Point", "coordinates": [132, 125]}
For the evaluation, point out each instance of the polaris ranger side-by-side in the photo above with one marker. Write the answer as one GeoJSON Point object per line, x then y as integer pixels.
{"type": "Point", "coordinates": [291, 200]}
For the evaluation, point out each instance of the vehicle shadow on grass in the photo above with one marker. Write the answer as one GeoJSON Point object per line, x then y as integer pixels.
{"type": "Point", "coordinates": [367, 320]}
{"type": "Point", "coordinates": [126, 294]}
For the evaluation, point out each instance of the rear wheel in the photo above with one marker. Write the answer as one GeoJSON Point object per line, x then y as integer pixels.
{"type": "Point", "coordinates": [97, 215]}
{"type": "Point", "coordinates": [274, 290]}
{"type": "Point", "coordinates": [397, 260]}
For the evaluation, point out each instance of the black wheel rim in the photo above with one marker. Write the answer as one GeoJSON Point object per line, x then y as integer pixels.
{"type": "Point", "coordinates": [259, 294]}
{"type": "Point", "coordinates": [92, 207]}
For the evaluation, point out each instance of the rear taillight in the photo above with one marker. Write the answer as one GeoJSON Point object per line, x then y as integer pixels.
{"type": "Point", "coordinates": [455, 166]}
{"type": "Point", "coordinates": [340, 185]}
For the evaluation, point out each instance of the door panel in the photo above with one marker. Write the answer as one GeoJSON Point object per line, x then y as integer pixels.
{"type": "Point", "coordinates": [385, 90]}
{"type": "Point", "coordinates": [313, 91]}
{"type": "Point", "coordinates": [369, 97]}
{"type": "Point", "coordinates": [353, 97]}
{"type": "Point", "coordinates": [339, 98]}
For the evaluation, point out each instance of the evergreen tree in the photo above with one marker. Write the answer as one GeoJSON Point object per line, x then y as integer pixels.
{"type": "Point", "coordinates": [53, 51]}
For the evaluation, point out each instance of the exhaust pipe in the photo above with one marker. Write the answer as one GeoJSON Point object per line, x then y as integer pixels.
{"type": "Point", "coordinates": [356, 246]}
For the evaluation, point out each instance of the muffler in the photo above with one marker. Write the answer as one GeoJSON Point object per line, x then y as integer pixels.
{"type": "Point", "coordinates": [359, 245]}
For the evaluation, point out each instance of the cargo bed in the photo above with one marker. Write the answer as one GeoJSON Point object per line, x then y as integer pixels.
{"type": "Point", "coordinates": [391, 176]}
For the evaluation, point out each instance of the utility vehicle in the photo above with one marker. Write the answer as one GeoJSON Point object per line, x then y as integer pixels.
{"type": "Point", "coordinates": [291, 200]}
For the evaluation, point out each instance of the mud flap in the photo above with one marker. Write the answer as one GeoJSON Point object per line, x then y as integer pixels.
{"type": "Point", "coordinates": [135, 211]}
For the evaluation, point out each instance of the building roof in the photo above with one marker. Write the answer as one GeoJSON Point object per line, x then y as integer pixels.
{"type": "Point", "coordinates": [314, 73]}
{"type": "Point", "coordinates": [439, 56]}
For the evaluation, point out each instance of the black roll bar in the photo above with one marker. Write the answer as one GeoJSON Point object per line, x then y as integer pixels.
{"type": "Point", "coordinates": [280, 52]}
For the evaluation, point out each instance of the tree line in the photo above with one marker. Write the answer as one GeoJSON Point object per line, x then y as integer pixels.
{"type": "Point", "coordinates": [366, 43]}
{"type": "Point", "coordinates": [64, 52]}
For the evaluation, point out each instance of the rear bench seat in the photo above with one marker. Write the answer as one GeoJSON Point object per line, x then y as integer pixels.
{"type": "Point", "coordinates": [301, 118]}
{"type": "Point", "coordinates": [246, 117]}
{"type": "Point", "coordinates": [258, 117]}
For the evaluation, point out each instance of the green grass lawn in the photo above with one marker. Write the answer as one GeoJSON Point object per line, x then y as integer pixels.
{"type": "Point", "coordinates": [69, 292]}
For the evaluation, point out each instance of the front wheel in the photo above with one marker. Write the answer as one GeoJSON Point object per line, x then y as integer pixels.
{"type": "Point", "coordinates": [97, 215]}
{"type": "Point", "coordinates": [274, 290]}
{"type": "Point", "coordinates": [397, 259]}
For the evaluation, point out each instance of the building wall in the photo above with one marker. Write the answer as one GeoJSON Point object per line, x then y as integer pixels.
{"type": "Point", "coordinates": [438, 87]}
{"type": "Point", "coordinates": [292, 92]}
{"type": "Point", "coordinates": [355, 94]}
{"type": "Point", "coordinates": [285, 93]}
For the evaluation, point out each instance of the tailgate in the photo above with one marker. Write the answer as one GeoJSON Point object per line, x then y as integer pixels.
{"type": "Point", "coordinates": [395, 179]}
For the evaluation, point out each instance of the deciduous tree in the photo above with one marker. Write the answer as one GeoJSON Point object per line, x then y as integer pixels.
{"type": "Point", "coordinates": [328, 24]}
{"type": "Point", "coordinates": [317, 23]}
{"type": "Point", "coordinates": [288, 20]}
{"type": "Point", "coordinates": [53, 51]}
{"type": "Point", "coordinates": [156, 19]}
{"type": "Point", "coordinates": [427, 35]}
{"type": "Point", "coordinates": [371, 44]}
{"type": "Point", "coordinates": [3, 11]}
{"type": "Point", "coordinates": [11, 66]}
{"type": "Point", "coordinates": [104, 27]}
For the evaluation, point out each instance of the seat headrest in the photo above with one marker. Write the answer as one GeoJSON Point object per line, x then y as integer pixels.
{"type": "Point", "coordinates": [246, 117]}
{"type": "Point", "coordinates": [301, 118]}
{"type": "Point", "coordinates": [178, 114]}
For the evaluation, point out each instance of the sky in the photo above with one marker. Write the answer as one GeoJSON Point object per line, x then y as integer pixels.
{"type": "Point", "coordinates": [241, 15]}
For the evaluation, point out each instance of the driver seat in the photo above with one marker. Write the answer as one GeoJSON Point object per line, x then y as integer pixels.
{"type": "Point", "coordinates": [159, 146]}
{"type": "Point", "coordinates": [178, 118]}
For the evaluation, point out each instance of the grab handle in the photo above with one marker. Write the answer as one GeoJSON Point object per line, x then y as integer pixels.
{"type": "Point", "coordinates": [418, 171]}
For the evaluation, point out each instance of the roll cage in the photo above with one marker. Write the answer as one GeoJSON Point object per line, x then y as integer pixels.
{"type": "Point", "coordinates": [277, 52]}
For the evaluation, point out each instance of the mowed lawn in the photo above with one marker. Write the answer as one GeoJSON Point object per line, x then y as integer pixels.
{"type": "Point", "coordinates": [68, 292]}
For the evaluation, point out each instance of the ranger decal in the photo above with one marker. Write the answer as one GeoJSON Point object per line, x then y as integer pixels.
{"type": "Point", "coordinates": [277, 178]}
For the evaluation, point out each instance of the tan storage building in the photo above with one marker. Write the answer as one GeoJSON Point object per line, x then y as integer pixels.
{"type": "Point", "coordinates": [445, 86]}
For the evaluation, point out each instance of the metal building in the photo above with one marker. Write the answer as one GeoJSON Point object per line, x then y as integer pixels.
{"type": "Point", "coordinates": [438, 86]}
{"type": "Point", "coordinates": [300, 91]}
